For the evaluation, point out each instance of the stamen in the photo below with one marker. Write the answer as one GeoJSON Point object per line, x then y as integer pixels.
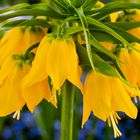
{"type": "Point", "coordinates": [113, 120]}
{"type": "Point", "coordinates": [54, 93]}
{"type": "Point", "coordinates": [109, 122]}
{"type": "Point", "coordinates": [16, 115]}
{"type": "Point", "coordinates": [117, 116]}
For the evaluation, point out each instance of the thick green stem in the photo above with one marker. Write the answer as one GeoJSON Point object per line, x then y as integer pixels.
{"type": "Point", "coordinates": [67, 112]}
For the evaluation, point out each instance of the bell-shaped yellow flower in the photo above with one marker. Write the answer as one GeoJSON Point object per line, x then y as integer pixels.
{"type": "Point", "coordinates": [135, 57]}
{"type": "Point", "coordinates": [58, 59]}
{"type": "Point", "coordinates": [18, 39]}
{"type": "Point", "coordinates": [12, 96]}
{"type": "Point", "coordinates": [131, 71]}
{"type": "Point", "coordinates": [128, 66]}
{"type": "Point", "coordinates": [104, 96]}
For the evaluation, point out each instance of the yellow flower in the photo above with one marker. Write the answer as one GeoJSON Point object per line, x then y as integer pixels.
{"type": "Point", "coordinates": [104, 96]}
{"type": "Point", "coordinates": [131, 70]}
{"type": "Point", "coordinates": [18, 39]}
{"type": "Point", "coordinates": [128, 66]}
{"type": "Point", "coordinates": [12, 96]}
{"type": "Point", "coordinates": [58, 59]}
{"type": "Point", "coordinates": [135, 57]}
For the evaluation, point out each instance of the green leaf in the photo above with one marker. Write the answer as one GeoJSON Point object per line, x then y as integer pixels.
{"type": "Point", "coordinates": [108, 30]}
{"type": "Point", "coordinates": [104, 67]}
{"type": "Point", "coordinates": [30, 22]}
{"type": "Point", "coordinates": [1, 33]}
{"type": "Point", "coordinates": [84, 23]}
{"type": "Point", "coordinates": [113, 7]}
{"type": "Point", "coordinates": [62, 6]}
{"type": "Point", "coordinates": [36, 10]}
{"type": "Point", "coordinates": [50, 11]}
{"type": "Point", "coordinates": [127, 36]}
{"type": "Point", "coordinates": [102, 36]}
{"type": "Point", "coordinates": [88, 4]}
{"type": "Point", "coordinates": [125, 25]}
{"type": "Point", "coordinates": [83, 57]}
{"type": "Point", "coordinates": [78, 3]}
{"type": "Point", "coordinates": [100, 65]}
{"type": "Point", "coordinates": [13, 23]}
{"type": "Point", "coordinates": [15, 7]}
{"type": "Point", "coordinates": [101, 48]}
{"type": "Point", "coordinates": [73, 30]}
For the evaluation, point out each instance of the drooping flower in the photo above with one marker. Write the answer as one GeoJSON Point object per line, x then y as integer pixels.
{"type": "Point", "coordinates": [130, 69]}
{"type": "Point", "coordinates": [12, 96]}
{"type": "Point", "coordinates": [135, 57]}
{"type": "Point", "coordinates": [18, 39]}
{"type": "Point", "coordinates": [104, 96]}
{"type": "Point", "coordinates": [128, 66]}
{"type": "Point", "coordinates": [56, 58]}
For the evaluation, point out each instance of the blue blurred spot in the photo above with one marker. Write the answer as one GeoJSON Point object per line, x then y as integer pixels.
{"type": "Point", "coordinates": [7, 133]}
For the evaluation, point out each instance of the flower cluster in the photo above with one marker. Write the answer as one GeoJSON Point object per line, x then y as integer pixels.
{"type": "Point", "coordinates": [35, 62]}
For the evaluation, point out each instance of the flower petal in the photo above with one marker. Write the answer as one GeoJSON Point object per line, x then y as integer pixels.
{"type": "Point", "coordinates": [98, 94]}
{"type": "Point", "coordinates": [75, 72]}
{"type": "Point", "coordinates": [10, 93]}
{"type": "Point", "coordinates": [58, 62]}
{"type": "Point", "coordinates": [34, 94]}
{"type": "Point", "coordinates": [37, 72]}
{"type": "Point", "coordinates": [121, 101]}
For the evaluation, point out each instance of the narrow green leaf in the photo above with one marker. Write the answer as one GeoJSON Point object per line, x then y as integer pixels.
{"type": "Point", "coordinates": [15, 7]}
{"type": "Point", "coordinates": [127, 36]}
{"type": "Point", "coordinates": [100, 65]}
{"type": "Point", "coordinates": [107, 29]}
{"type": "Point", "coordinates": [103, 36]}
{"type": "Point", "coordinates": [101, 48]}
{"type": "Point", "coordinates": [125, 25]}
{"type": "Point", "coordinates": [89, 4]}
{"type": "Point", "coordinates": [73, 30]}
{"type": "Point", "coordinates": [104, 67]}
{"type": "Point", "coordinates": [113, 7]}
{"type": "Point", "coordinates": [84, 23]}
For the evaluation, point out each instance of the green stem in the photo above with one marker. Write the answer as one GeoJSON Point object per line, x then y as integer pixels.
{"type": "Point", "coordinates": [31, 48]}
{"type": "Point", "coordinates": [67, 112]}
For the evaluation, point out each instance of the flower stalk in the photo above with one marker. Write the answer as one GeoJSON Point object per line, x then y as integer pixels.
{"type": "Point", "coordinates": [67, 112]}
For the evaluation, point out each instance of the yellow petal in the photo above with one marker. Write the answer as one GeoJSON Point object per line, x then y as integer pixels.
{"type": "Point", "coordinates": [10, 93]}
{"type": "Point", "coordinates": [10, 43]}
{"type": "Point", "coordinates": [30, 37]}
{"type": "Point", "coordinates": [6, 68]}
{"type": "Point", "coordinates": [128, 67]}
{"type": "Point", "coordinates": [98, 94]}
{"type": "Point", "coordinates": [75, 72]}
{"type": "Point", "coordinates": [34, 94]}
{"type": "Point", "coordinates": [86, 112]}
{"type": "Point", "coordinates": [37, 72]}
{"type": "Point", "coordinates": [135, 56]}
{"type": "Point", "coordinates": [113, 17]}
{"type": "Point", "coordinates": [121, 100]}
{"type": "Point", "coordinates": [58, 62]}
